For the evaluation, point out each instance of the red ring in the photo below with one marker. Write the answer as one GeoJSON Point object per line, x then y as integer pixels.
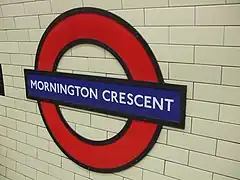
{"type": "Point", "coordinates": [140, 136]}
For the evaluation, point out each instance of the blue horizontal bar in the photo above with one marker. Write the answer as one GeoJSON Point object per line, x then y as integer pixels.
{"type": "Point", "coordinates": [163, 104]}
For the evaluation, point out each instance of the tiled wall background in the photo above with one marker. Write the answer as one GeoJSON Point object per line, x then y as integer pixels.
{"type": "Point", "coordinates": [197, 43]}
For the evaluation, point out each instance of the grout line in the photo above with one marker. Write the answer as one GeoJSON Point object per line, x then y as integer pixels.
{"type": "Point", "coordinates": [144, 16]}
{"type": "Point", "coordinates": [194, 54]}
{"type": "Point", "coordinates": [221, 77]}
{"type": "Point", "coordinates": [121, 4]}
{"type": "Point", "coordinates": [151, 7]}
{"type": "Point", "coordinates": [51, 6]}
{"type": "Point", "coordinates": [195, 15]}
{"type": "Point", "coordinates": [164, 167]}
{"type": "Point", "coordinates": [216, 147]}
{"type": "Point", "coordinates": [188, 162]}
{"type": "Point", "coordinates": [169, 35]}
{"type": "Point", "coordinates": [159, 43]}
{"type": "Point", "coordinates": [168, 64]}
{"type": "Point", "coordinates": [1, 12]}
{"type": "Point", "coordinates": [193, 90]}
{"type": "Point", "coordinates": [191, 125]}
{"type": "Point", "coordinates": [136, 26]}
{"type": "Point", "coordinates": [219, 109]}
{"type": "Point", "coordinates": [224, 34]}
{"type": "Point", "coordinates": [90, 120]}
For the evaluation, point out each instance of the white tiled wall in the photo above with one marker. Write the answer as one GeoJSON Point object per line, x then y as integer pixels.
{"type": "Point", "coordinates": [197, 43]}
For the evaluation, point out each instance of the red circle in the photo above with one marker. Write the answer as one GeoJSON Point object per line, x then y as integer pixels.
{"type": "Point", "coordinates": [96, 26]}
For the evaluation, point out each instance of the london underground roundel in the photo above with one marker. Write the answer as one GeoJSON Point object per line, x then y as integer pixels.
{"type": "Point", "coordinates": [143, 98]}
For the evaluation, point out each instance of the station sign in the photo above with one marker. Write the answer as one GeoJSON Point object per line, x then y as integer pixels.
{"type": "Point", "coordinates": [143, 98]}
